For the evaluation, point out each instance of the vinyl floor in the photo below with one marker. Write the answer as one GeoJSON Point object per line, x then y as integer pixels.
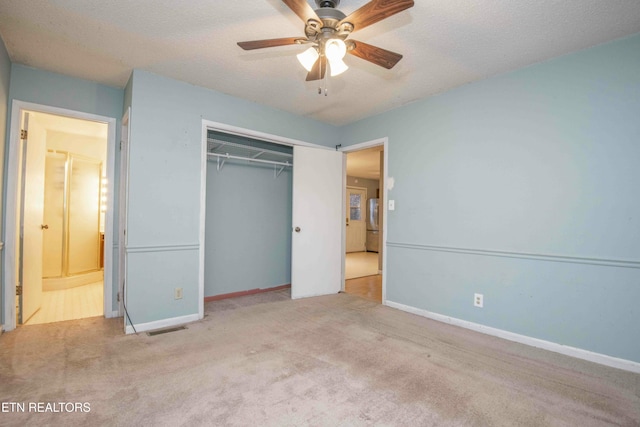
{"type": "Point", "coordinates": [361, 264]}
{"type": "Point", "coordinates": [70, 304]}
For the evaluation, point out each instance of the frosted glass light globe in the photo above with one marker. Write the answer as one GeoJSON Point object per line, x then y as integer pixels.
{"type": "Point", "coordinates": [308, 58]}
{"type": "Point", "coordinates": [335, 49]}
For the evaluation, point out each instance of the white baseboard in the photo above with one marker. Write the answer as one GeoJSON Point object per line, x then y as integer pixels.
{"type": "Point", "coordinates": [603, 359]}
{"type": "Point", "coordinates": [112, 314]}
{"type": "Point", "coordinates": [164, 323]}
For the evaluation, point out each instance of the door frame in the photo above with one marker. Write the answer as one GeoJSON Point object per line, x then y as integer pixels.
{"type": "Point", "coordinates": [9, 275]}
{"type": "Point", "coordinates": [250, 133]}
{"type": "Point", "coordinates": [123, 208]}
{"type": "Point", "coordinates": [384, 142]}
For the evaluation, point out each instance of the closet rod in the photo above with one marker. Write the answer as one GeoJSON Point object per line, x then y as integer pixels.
{"type": "Point", "coordinates": [249, 159]}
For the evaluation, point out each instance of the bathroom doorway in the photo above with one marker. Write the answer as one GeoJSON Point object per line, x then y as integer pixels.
{"type": "Point", "coordinates": [61, 218]}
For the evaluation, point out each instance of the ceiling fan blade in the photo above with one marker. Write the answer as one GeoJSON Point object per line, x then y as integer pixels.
{"type": "Point", "coordinates": [318, 70]}
{"type": "Point", "coordinates": [302, 9]}
{"type": "Point", "coordinates": [374, 11]}
{"type": "Point", "coordinates": [259, 44]}
{"type": "Point", "coordinates": [377, 55]}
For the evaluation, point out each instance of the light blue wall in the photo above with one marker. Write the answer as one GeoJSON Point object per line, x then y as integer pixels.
{"type": "Point", "coordinates": [521, 187]}
{"type": "Point", "coordinates": [164, 184]}
{"type": "Point", "coordinates": [248, 229]}
{"type": "Point", "coordinates": [542, 165]}
{"type": "Point", "coordinates": [5, 75]}
{"type": "Point", "coordinates": [47, 88]}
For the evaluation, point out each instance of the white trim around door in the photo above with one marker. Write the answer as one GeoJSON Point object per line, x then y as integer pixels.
{"type": "Point", "coordinates": [384, 193]}
{"type": "Point", "coordinates": [123, 203]}
{"type": "Point", "coordinates": [10, 241]}
{"type": "Point", "coordinates": [234, 130]}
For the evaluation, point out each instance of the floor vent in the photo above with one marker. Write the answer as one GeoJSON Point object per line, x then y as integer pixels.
{"type": "Point", "coordinates": [166, 331]}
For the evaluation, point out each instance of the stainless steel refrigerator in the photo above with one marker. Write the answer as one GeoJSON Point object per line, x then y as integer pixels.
{"type": "Point", "coordinates": [373, 228]}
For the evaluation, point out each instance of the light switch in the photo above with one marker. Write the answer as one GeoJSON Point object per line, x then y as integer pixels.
{"type": "Point", "coordinates": [392, 205]}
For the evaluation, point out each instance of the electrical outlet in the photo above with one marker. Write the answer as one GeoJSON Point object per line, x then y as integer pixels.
{"type": "Point", "coordinates": [392, 205]}
{"type": "Point", "coordinates": [478, 300]}
{"type": "Point", "coordinates": [177, 294]}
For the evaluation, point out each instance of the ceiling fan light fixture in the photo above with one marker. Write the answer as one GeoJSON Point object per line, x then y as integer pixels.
{"type": "Point", "coordinates": [337, 67]}
{"type": "Point", "coordinates": [335, 49]}
{"type": "Point", "coordinates": [308, 58]}
{"type": "Point", "coordinates": [327, 28]}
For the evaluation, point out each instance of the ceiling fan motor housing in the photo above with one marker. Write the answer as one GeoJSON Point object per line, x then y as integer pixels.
{"type": "Point", "coordinates": [328, 3]}
{"type": "Point", "coordinates": [330, 18]}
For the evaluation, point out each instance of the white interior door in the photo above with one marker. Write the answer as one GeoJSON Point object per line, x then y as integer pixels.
{"type": "Point", "coordinates": [316, 247]}
{"type": "Point", "coordinates": [32, 214]}
{"type": "Point", "coordinates": [356, 238]}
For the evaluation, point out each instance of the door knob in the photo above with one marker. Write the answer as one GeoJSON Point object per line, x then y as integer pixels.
{"type": "Point", "coordinates": [44, 227]}
{"type": "Point", "coordinates": [297, 229]}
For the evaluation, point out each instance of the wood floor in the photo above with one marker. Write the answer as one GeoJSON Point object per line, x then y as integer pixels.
{"type": "Point", "coordinates": [369, 287]}
{"type": "Point", "coordinates": [70, 304]}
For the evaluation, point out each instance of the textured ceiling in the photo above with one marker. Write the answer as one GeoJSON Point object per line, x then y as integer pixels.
{"type": "Point", "coordinates": [445, 44]}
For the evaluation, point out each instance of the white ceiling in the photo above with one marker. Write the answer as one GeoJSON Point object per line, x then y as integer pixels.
{"type": "Point", "coordinates": [445, 43]}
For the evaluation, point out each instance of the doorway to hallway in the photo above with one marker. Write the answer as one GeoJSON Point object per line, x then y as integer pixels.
{"type": "Point", "coordinates": [363, 223]}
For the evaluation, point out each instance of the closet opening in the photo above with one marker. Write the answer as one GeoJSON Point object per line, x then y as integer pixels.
{"type": "Point", "coordinates": [248, 219]}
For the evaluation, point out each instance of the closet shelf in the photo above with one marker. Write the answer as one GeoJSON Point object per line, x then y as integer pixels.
{"type": "Point", "coordinates": [224, 150]}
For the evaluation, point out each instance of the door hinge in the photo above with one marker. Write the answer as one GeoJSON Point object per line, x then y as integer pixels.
{"type": "Point", "coordinates": [24, 134]}
{"type": "Point", "coordinates": [19, 290]}
{"type": "Point", "coordinates": [118, 297]}
{"type": "Point", "coordinates": [120, 145]}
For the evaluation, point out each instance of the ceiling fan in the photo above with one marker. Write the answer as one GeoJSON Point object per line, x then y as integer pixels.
{"type": "Point", "coordinates": [326, 30]}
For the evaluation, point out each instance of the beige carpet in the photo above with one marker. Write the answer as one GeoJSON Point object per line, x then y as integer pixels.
{"type": "Point", "coordinates": [337, 360]}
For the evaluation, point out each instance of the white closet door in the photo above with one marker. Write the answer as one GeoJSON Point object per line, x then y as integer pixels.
{"type": "Point", "coordinates": [317, 219]}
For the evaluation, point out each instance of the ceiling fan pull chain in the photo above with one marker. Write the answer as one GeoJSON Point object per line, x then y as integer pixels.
{"type": "Point", "coordinates": [320, 86]}
{"type": "Point", "coordinates": [323, 81]}
{"type": "Point", "coordinates": [326, 78]}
